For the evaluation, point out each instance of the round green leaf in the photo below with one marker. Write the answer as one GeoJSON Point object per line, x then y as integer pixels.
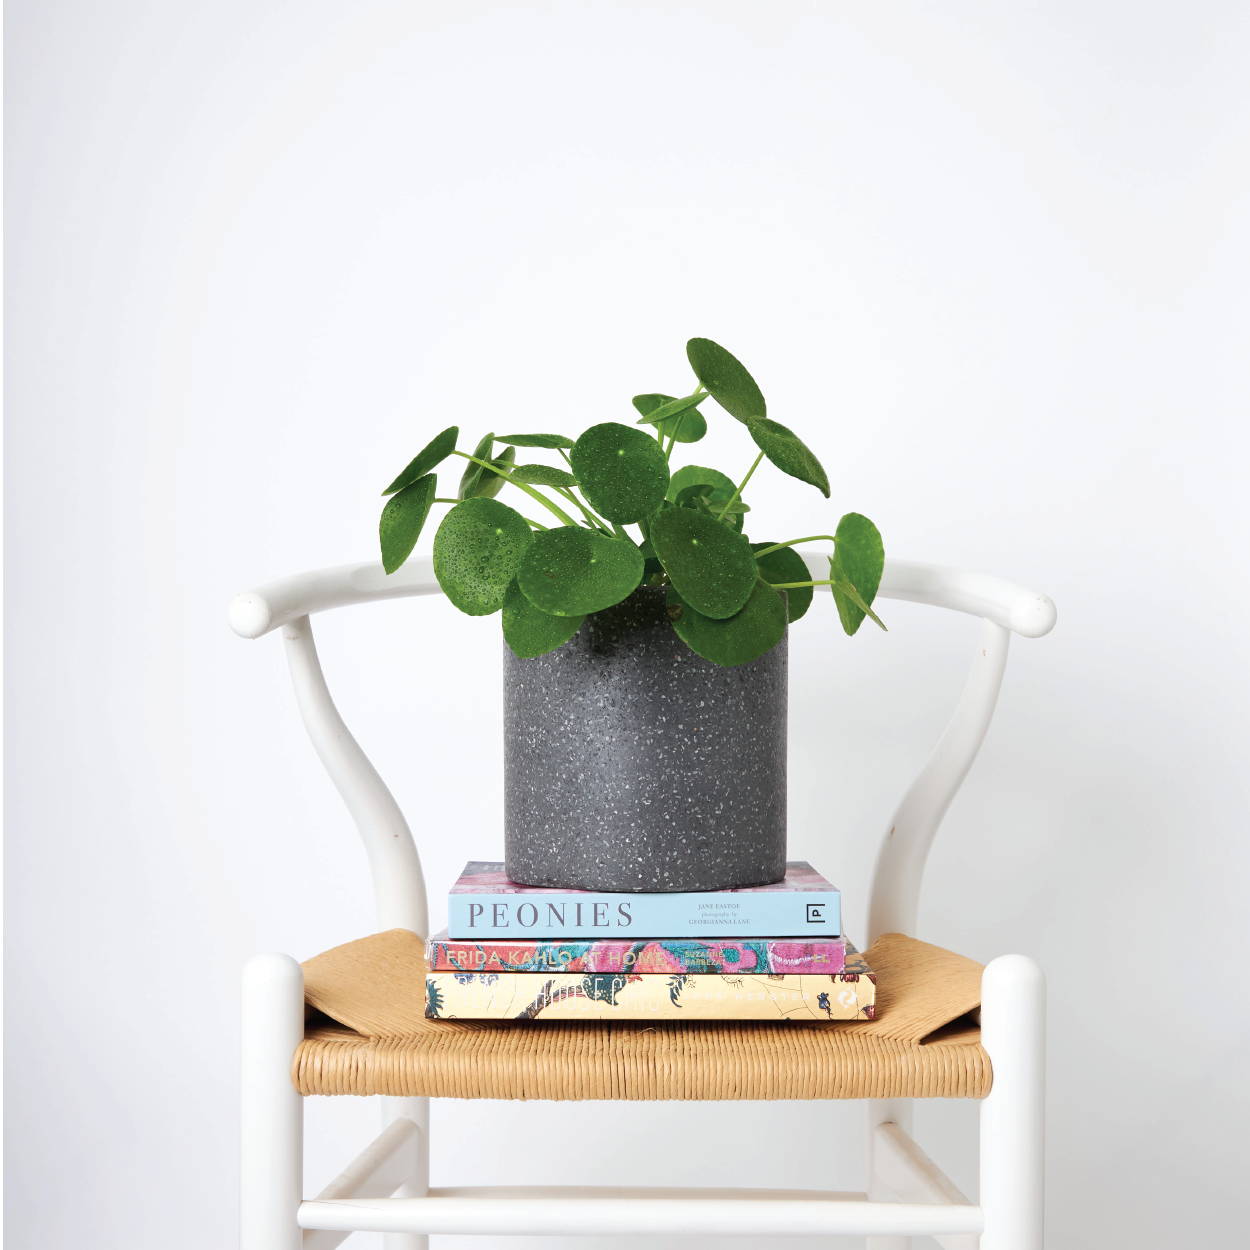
{"type": "Point", "coordinates": [542, 475]}
{"type": "Point", "coordinates": [429, 457]}
{"type": "Point", "coordinates": [726, 380]}
{"type": "Point", "coordinates": [477, 551]}
{"type": "Point", "coordinates": [786, 565]}
{"type": "Point", "coordinates": [712, 567]}
{"type": "Point", "coordinates": [570, 571]}
{"type": "Point", "coordinates": [789, 453]}
{"type": "Point", "coordinates": [676, 418]}
{"type": "Point", "coordinates": [738, 639]}
{"type": "Point", "coordinates": [622, 471]}
{"type": "Point", "coordinates": [402, 520]}
{"type": "Point", "coordinates": [530, 632]}
{"type": "Point", "coordinates": [697, 475]}
{"type": "Point", "coordinates": [472, 475]}
{"type": "Point", "coordinates": [535, 440]}
{"type": "Point", "coordinates": [859, 557]}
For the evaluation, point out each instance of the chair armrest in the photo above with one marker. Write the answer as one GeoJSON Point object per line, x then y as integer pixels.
{"type": "Point", "coordinates": [1022, 611]}
{"type": "Point", "coordinates": [255, 613]}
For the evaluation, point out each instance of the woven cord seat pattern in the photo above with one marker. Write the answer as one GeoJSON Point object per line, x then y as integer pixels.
{"type": "Point", "coordinates": [367, 1034]}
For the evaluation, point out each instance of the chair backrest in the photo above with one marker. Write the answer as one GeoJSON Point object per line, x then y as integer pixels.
{"type": "Point", "coordinates": [399, 888]}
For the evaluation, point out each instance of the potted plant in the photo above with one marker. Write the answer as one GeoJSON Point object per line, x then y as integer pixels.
{"type": "Point", "coordinates": [644, 671]}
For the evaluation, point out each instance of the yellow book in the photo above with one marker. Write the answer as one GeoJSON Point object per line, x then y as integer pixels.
{"type": "Point", "coordinates": [847, 995]}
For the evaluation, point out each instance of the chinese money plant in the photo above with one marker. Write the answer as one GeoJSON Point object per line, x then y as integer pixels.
{"type": "Point", "coordinates": [547, 573]}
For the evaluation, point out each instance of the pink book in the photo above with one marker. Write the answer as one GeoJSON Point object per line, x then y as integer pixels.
{"type": "Point", "coordinates": [775, 956]}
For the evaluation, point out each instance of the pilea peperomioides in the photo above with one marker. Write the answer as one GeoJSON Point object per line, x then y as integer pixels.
{"type": "Point", "coordinates": [545, 577]}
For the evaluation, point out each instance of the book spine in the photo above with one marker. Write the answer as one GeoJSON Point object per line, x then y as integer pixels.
{"type": "Point", "coordinates": [621, 996]}
{"type": "Point", "coordinates": [649, 958]}
{"type": "Point", "coordinates": [490, 917]}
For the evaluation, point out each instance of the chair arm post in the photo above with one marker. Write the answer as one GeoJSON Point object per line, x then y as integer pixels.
{"type": "Point", "coordinates": [271, 1161]}
{"type": "Point", "coordinates": [398, 884]}
{"type": "Point", "coordinates": [1013, 1032]}
{"type": "Point", "coordinates": [895, 896]}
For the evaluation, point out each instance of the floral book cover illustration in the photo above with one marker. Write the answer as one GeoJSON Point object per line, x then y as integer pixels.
{"type": "Point", "coordinates": [653, 956]}
{"type": "Point", "coordinates": [847, 995]}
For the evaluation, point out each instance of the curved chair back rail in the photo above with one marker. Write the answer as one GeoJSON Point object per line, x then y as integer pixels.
{"type": "Point", "coordinates": [399, 888]}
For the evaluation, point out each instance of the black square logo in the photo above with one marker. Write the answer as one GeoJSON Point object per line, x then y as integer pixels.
{"type": "Point", "coordinates": [815, 913]}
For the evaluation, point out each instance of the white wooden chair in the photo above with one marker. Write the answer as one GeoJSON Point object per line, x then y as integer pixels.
{"type": "Point", "coordinates": [908, 1195]}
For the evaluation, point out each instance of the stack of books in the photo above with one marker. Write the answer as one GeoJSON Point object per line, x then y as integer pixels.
{"type": "Point", "coordinates": [515, 952]}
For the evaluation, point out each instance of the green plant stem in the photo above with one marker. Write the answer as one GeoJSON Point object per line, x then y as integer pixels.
{"type": "Point", "coordinates": [672, 438]}
{"type": "Point", "coordinates": [596, 521]}
{"type": "Point", "coordinates": [529, 490]}
{"type": "Point", "coordinates": [811, 538]}
{"type": "Point", "coordinates": [845, 586]}
{"type": "Point", "coordinates": [565, 454]}
{"type": "Point", "coordinates": [741, 487]}
{"type": "Point", "coordinates": [681, 416]}
{"type": "Point", "coordinates": [699, 393]}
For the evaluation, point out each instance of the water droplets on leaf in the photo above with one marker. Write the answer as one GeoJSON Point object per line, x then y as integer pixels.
{"type": "Point", "coordinates": [477, 551]}
{"type": "Point", "coordinates": [621, 471]}
{"type": "Point", "coordinates": [717, 580]}
{"type": "Point", "coordinates": [726, 379]}
{"type": "Point", "coordinates": [572, 571]}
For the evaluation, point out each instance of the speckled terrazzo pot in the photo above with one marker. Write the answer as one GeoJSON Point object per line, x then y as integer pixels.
{"type": "Point", "coordinates": [630, 763]}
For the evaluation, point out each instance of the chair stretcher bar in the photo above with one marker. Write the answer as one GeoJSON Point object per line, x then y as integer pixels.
{"type": "Point", "coordinates": [559, 1211]}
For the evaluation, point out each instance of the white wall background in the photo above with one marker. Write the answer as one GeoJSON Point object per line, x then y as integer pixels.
{"type": "Point", "coordinates": [989, 259]}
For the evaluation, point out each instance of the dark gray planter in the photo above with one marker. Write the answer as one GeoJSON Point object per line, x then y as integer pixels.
{"type": "Point", "coordinates": [630, 763]}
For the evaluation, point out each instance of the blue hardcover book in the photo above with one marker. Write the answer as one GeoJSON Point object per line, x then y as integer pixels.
{"type": "Point", "coordinates": [484, 905]}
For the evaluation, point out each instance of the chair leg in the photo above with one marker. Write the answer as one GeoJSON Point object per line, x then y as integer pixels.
{"type": "Point", "coordinates": [1013, 1018]}
{"type": "Point", "coordinates": [418, 1111]}
{"type": "Point", "coordinates": [272, 1154]}
{"type": "Point", "coordinates": [885, 1111]}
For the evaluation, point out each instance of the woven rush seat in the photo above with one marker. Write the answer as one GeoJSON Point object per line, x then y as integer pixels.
{"type": "Point", "coordinates": [366, 1033]}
